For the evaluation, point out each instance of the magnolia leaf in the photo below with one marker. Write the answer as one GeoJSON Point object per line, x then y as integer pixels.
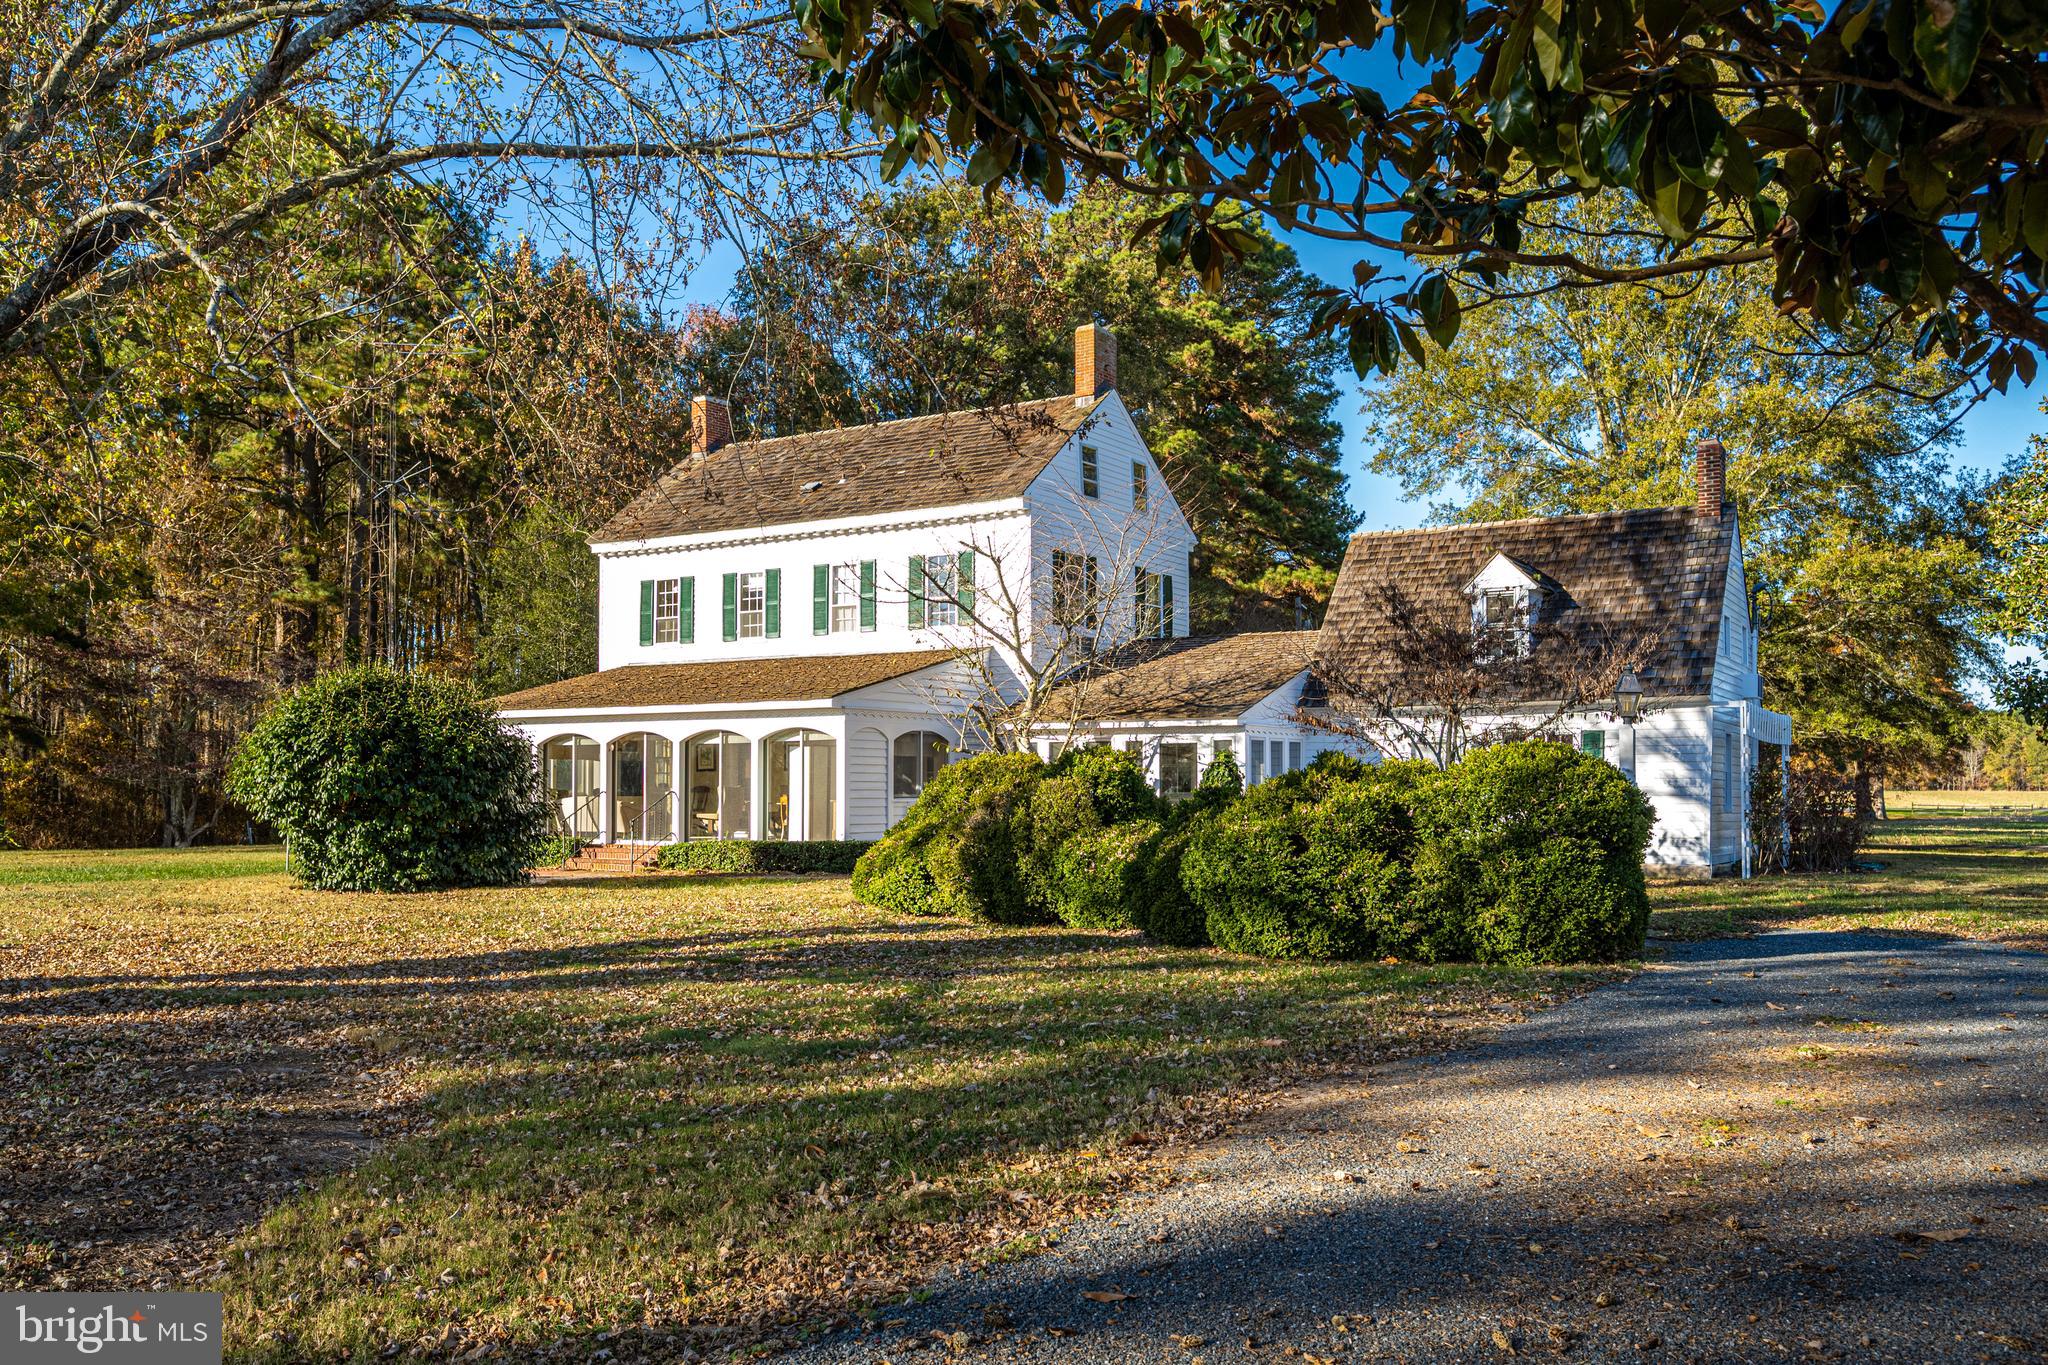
{"type": "Point", "coordinates": [1946, 41]}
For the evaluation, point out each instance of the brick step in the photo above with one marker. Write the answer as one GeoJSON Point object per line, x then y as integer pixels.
{"type": "Point", "coordinates": [612, 858]}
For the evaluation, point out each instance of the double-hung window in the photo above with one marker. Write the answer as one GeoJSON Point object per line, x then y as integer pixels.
{"type": "Point", "coordinates": [941, 590]}
{"type": "Point", "coordinates": [668, 611]}
{"type": "Point", "coordinates": [1155, 604]}
{"type": "Point", "coordinates": [1179, 769]}
{"type": "Point", "coordinates": [753, 606]}
{"type": "Point", "coordinates": [1073, 590]}
{"type": "Point", "coordinates": [845, 598]}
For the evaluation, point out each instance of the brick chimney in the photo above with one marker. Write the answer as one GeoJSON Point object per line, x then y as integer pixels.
{"type": "Point", "coordinates": [1710, 474]}
{"type": "Point", "coordinates": [1094, 361]}
{"type": "Point", "coordinates": [710, 425]}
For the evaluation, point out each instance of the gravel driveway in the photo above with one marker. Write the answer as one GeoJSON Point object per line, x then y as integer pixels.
{"type": "Point", "coordinates": [1803, 1146]}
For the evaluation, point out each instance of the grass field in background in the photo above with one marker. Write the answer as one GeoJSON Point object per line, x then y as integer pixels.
{"type": "Point", "coordinates": [1914, 802]}
{"type": "Point", "coordinates": [1980, 875]}
{"type": "Point", "coordinates": [685, 1111]}
{"type": "Point", "coordinates": [70, 866]}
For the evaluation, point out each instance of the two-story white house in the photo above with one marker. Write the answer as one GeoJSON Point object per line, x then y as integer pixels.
{"type": "Point", "coordinates": [792, 632]}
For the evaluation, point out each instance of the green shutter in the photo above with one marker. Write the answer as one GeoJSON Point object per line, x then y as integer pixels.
{"type": "Point", "coordinates": [686, 599]}
{"type": "Point", "coordinates": [1166, 606]}
{"type": "Point", "coordinates": [646, 611]}
{"type": "Point", "coordinates": [965, 585]}
{"type": "Point", "coordinates": [916, 592]}
{"type": "Point", "coordinates": [774, 604]}
{"type": "Point", "coordinates": [821, 600]}
{"type": "Point", "coordinates": [732, 606]}
{"type": "Point", "coordinates": [867, 594]}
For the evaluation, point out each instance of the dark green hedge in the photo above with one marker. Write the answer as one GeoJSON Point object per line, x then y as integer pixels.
{"type": "Point", "coordinates": [388, 781]}
{"type": "Point", "coordinates": [1520, 854]}
{"type": "Point", "coordinates": [1537, 849]}
{"type": "Point", "coordinates": [947, 856]}
{"type": "Point", "coordinates": [1098, 878]}
{"type": "Point", "coordinates": [749, 855]}
{"type": "Point", "coordinates": [1313, 864]}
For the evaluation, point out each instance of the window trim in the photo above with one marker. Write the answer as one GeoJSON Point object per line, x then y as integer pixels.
{"type": "Point", "coordinates": [843, 595]}
{"type": "Point", "coordinates": [758, 579]}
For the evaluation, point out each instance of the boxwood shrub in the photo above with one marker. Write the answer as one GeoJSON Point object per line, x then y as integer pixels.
{"type": "Point", "coordinates": [1538, 850]}
{"type": "Point", "coordinates": [955, 852]}
{"type": "Point", "coordinates": [1098, 877]}
{"type": "Point", "coordinates": [388, 781]}
{"type": "Point", "coordinates": [751, 855]}
{"type": "Point", "coordinates": [1313, 864]}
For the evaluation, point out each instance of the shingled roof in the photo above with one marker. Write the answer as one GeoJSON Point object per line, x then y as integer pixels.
{"type": "Point", "coordinates": [1215, 677]}
{"type": "Point", "coordinates": [813, 678]}
{"type": "Point", "coordinates": [1659, 572]}
{"type": "Point", "coordinates": [978, 455]}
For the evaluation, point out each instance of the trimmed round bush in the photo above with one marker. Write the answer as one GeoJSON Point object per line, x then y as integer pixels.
{"type": "Point", "coordinates": [946, 857]}
{"type": "Point", "coordinates": [388, 781]}
{"type": "Point", "coordinates": [1538, 849]}
{"type": "Point", "coordinates": [1098, 877]}
{"type": "Point", "coordinates": [1311, 865]}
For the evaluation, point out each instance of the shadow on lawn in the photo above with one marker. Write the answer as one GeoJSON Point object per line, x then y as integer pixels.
{"type": "Point", "coordinates": [691, 1111]}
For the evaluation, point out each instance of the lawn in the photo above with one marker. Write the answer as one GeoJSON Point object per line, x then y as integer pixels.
{"type": "Point", "coordinates": [671, 1115]}
{"type": "Point", "coordinates": [1977, 875]}
{"type": "Point", "coordinates": [1919, 803]}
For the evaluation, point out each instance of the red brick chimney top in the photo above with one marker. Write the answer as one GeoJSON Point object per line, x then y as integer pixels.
{"type": "Point", "coordinates": [1094, 360]}
{"type": "Point", "coordinates": [1710, 474]}
{"type": "Point", "coordinates": [710, 425]}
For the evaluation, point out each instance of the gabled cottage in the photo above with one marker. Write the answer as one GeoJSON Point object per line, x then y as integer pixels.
{"type": "Point", "coordinates": [791, 630]}
{"type": "Point", "coordinates": [1665, 583]}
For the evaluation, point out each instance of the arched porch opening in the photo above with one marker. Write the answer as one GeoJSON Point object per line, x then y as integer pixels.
{"type": "Point", "coordinates": [569, 780]}
{"type": "Point", "coordinates": [802, 787]}
{"type": "Point", "coordinates": [643, 788]}
{"type": "Point", "coordinates": [717, 786]}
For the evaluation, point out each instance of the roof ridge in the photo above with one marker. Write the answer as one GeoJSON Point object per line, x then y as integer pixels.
{"type": "Point", "coordinates": [1519, 521]}
{"type": "Point", "coordinates": [816, 432]}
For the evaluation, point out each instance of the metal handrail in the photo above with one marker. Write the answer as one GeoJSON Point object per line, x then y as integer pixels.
{"type": "Point", "coordinates": [640, 827]}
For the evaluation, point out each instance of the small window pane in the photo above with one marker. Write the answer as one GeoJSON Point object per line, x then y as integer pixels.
{"type": "Point", "coordinates": [1293, 755]}
{"type": "Point", "coordinates": [1090, 484]}
{"type": "Point", "coordinates": [1256, 763]}
{"type": "Point", "coordinates": [916, 760]}
{"type": "Point", "coordinates": [1140, 494]}
{"type": "Point", "coordinates": [1593, 742]}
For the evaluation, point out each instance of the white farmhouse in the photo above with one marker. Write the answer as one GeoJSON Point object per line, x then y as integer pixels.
{"type": "Point", "coordinates": [1668, 578]}
{"type": "Point", "coordinates": [791, 632]}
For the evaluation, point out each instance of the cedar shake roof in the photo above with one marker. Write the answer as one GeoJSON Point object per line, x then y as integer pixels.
{"type": "Point", "coordinates": [1215, 677]}
{"type": "Point", "coordinates": [723, 681]}
{"type": "Point", "coordinates": [1660, 571]}
{"type": "Point", "coordinates": [937, 461]}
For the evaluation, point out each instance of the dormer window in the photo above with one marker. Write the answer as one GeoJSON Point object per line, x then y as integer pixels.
{"type": "Point", "coordinates": [1507, 601]}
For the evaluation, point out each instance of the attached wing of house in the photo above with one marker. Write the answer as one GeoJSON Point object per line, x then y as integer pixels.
{"type": "Point", "coordinates": [1660, 589]}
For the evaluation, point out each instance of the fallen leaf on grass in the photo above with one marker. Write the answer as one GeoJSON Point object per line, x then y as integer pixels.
{"type": "Point", "coordinates": [1933, 1235]}
{"type": "Point", "coordinates": [1105, 1295]}
{"type": "Point", "coordinates": [1505, 1342]}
